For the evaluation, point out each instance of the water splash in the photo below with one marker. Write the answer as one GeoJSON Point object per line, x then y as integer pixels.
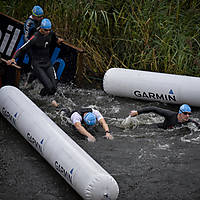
{"type": "Point", "coordinates": [193, 137]}
{"type": "Point", "coordinates": [71, 97]}
{"type": "Point", "coordinates": [163, 146]}
{"type": "Point", "coordinates": [129, 122]}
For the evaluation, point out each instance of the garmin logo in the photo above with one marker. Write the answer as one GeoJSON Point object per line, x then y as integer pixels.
{"type": "Point", "coordinates": [34, 142]}
{"type": "Point", "coordinates": [9, 39]}
{"type": "Point", "coordinates": [64, 172]}
{"type": "Point", "coordinates": [155, 96]}
{"type": "Point", "coordinates": [9, 116]}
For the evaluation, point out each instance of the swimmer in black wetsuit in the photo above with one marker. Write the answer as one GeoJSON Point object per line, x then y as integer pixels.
{"type": "Point", "coordinates": [39, 44]}
{"type": "Point", "coordinates": [33, 22]}
{"type": "Point", "coordinates": [171, 118]}
{"type": "Point", "coordinates": [31, 25]}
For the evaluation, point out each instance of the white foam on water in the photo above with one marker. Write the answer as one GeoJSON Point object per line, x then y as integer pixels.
{"type": "Point", "coordinates": [193, 137]}
{"type": "Point", "coordinates": [72, 98]}
{"type": "Point", "coordinates": [129, 122]}
{"type": "Point", "coordinates": [163, 146]}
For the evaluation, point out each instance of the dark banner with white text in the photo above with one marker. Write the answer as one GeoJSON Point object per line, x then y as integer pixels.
{"type": "Point", "coordinates": [63, 57]}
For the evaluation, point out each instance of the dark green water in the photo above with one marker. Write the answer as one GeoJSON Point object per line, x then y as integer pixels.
{"type": "Point", "coordinates": [147, 162]}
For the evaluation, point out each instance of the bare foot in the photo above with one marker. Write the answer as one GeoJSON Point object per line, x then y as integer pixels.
{"type": "Point", "coordinates": [54, 103]}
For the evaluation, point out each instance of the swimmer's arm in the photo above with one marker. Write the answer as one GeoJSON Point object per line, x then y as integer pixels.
{"type": "Point", "coordinates": [84, 132]}
{"type": "Point", "coordinates": [106, 129]}
{"type": "Point", "coordinates": [159, 111]}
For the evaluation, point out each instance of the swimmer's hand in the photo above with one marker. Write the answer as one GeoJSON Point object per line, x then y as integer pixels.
{"type": "Point", "coordinates": [91, 139]}
{"type": "Point", "coordinates": [108, 136]}
{"type": "Point", "coordinates": [11, 61]}
{"type": "Point", "coordinates": [133, 113]}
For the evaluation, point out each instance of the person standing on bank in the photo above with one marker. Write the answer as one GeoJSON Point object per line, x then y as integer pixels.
{"type": "Point", "coordinates": [31, 25]}
{"type": "Point", "coordinates": [87, 117]}
{"type": "Point", "coordinates": [41, 65]}
{"type": "Point", "coordinates": [171, 118]}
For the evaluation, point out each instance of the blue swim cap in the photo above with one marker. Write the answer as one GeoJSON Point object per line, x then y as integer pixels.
{"type": "Point", "coordinates": [46, 24]}
{"type": "Point", "coordinates": [90, 119]}
{"type": "Point", "coordinates": [185, 108]}
{"type": "Point", "coordinates": [37, 11]}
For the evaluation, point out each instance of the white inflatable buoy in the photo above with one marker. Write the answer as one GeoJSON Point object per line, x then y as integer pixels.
{"type": "Point", "coordinates": [80, 171]}
{"type": "Point", "coordinates": [152, 86]}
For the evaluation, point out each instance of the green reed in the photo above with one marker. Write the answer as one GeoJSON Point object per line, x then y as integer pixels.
{"type": "Point", "coordinates": [149, 35]}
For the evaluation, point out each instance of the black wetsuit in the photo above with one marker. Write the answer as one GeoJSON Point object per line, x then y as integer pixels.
{"type": "Point", "coordinates": [69, 113]}
{"type": "Point", "coordinates": [40, 60]}
{"type": "Point", "coordinates": [82, 111]}
{"type": "Point", "coordinates": [30, 27]}
{"type": "Point", "coordinates": [170, 116]}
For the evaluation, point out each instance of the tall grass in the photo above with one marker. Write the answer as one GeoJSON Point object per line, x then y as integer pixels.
{"type": "Point", "coordinates": [149, 35]}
